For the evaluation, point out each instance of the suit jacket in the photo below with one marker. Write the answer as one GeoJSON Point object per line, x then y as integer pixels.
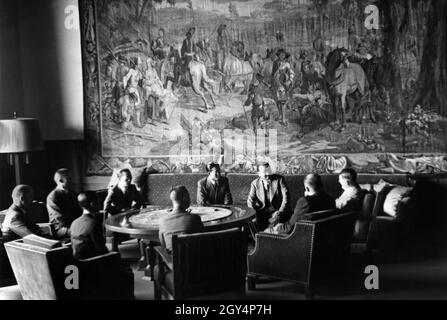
{"type": "Point", "coordinates": [318, 202]}
{"type": "Point", "coordinates": [63, 209]}
{"type": "Point", "coordinates": [116, 200]}
{"type": "Point", "coordinates": [279, 197]}
{"type": "Point", "coordinates": [351, 199]}
{"type": "Point", "coordinates": [209, 194]}
{"type": "Point", "coordinates": [178, 223]}
{"type": "Point", "coordinates": [87, 238]}
{"type": "Point", "coordinates": [17, 224]}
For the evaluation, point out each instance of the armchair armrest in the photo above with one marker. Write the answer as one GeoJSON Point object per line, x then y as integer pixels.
{"type": "Point", "coordinates": [165, 257]}
{"type": "Point", "coordinates": [384, 232]}
{"type": "Point", "coordinates": [47, 228]}
{"type": "Point", "coordinates": [107, 258]}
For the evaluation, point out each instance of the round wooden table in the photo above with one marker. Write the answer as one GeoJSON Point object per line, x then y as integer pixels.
{"type": "Point", "coordinates": [143, 224]}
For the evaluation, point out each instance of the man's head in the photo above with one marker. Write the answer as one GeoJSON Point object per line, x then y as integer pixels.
{"type": "Point", "coordinates": [161, 32]}
{"type": "Point", "coordinates": [312, 183]}
{"type": "Point", "coordinates": [22, 196]}
{"type": "Point", "coordinates": [88, 201]}
{"type": "Point", "coordinates": [62, 178]}
{"type": "Point", "coordinates": [180, 198]}
{"type": "Point", "coordinates": [347, 178]}
{"type": "Point", "coordinates": [125, 178]}
{"type": "Point", "coordinates": [214, 171]}
{"type": "Point", "coordinates": [264, 171]}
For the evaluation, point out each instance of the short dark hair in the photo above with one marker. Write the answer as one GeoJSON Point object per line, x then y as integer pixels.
{"type": "Point", "coordinates": [349, 174]}
{"type": "Point", "coordinates": [178, 193]}
{"type": "Point", "coordinates": [86, 198]}
{"type": "Point", "coordinates": [314, 180]}
{"type": "Point", "coordinates": [212, 166]}
{"type": "Point", "coordinates": [125, 172]}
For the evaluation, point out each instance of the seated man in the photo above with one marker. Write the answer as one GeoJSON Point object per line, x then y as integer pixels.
{"type": "Point", "coordinates": [179, 220]}
{"type": "Point", "coordinates": [87, 236]}
{"type": "Point", "coordinates": [352, 196]}
{"type": "Point", "coordinates": [214, 189]}
{"type": "Point", "coordinates": [315, 199]}
{"type": "Point", "coordinates": [269, 196]}
{"type": "Point", "coordinates": [62, 205]}
{"type": "Point", "coordinates": [18, 223]}
{"type": "Point", "coordinates": [123, 196]}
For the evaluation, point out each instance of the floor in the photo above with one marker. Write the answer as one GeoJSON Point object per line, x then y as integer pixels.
{"type": "Point", "coordinates": [411, 280]}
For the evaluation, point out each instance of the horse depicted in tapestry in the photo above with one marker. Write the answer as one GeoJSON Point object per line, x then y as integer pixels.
{"type": "Point", "coordinates": [345, 80]}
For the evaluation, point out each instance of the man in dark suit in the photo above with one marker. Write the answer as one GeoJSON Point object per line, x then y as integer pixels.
{"type": "Point", "coordinates": [269, 196]}
{"type": "Point", "coordinates": [179, 220]}
{"type": "Point", "coordinates": [62, 205]}
{"type": "Point", "coordinates": [87, 236]}
{"type": "Point", "coordinates": [18, 222]}
{"type": "Point", "coordinates": [315, 199]}
{"type": "Point", "coordinates": [123, 196]}
{"type": "Point", "coordinates": [213, 189]}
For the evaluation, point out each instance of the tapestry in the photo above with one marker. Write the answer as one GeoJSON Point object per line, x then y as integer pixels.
{"type": "Point", "coordinates": [306, 85]}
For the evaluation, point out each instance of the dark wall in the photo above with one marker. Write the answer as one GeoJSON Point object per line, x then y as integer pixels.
{"type": "Point", "coordinates": [11, 93]}
{"type": "Point", "coordinates": [40, 76]}
{"type": "Point", "coordinates": [51, 67]}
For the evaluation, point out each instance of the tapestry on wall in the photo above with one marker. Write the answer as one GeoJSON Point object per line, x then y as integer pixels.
{"type": "Point", "coordinates": [308, 85]}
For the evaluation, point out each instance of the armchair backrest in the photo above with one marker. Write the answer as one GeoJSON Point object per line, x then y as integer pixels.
{"type": "Point", "coordinates": [314, 247]}
{"type": "Point", "coordinates": [364, 218]}
{"type": "Point", "coordinates": [332, 241]}
{"type": "Point", "coordinates": [208, 263]}
{"type": "Point", "coordinates": [40, 272]}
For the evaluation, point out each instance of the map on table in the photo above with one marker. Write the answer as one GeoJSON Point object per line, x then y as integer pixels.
{"type": "Point", "coordinates": [150, 219]}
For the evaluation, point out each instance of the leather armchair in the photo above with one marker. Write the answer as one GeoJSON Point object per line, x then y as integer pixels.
{"type": "Point", "coordinates": [40, 217]}
{"type": "Point", "coordinates": [313, 250]}
{"type": "Point", "coordinates": [6, 274]}
{"type": "Point", "coordinates": [40, 273]}
{"type": "Point", "coordinates": [202, 264]}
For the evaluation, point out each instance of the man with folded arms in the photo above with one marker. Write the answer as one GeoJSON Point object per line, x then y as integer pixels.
{"type": "Point", "coordinates": [315, 199]}
{"type": "Point", "coordinates": [213, 189]}
{"type": "Point", "coordinates": [62, 205]}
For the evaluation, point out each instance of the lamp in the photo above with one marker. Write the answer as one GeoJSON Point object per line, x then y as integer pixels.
{"type": "Point", "coordinates": [19, 136]}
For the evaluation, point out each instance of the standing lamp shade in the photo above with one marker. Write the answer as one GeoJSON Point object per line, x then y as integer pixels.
{"type": "Point", "coordinates": [20, 135]}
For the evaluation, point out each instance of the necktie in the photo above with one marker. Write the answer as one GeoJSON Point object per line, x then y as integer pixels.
{"type": "Point", "coordinates": [267, 191]}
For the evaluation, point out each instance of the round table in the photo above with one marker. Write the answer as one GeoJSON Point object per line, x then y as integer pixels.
{"type": "Point", "coordinates": [143, 224]}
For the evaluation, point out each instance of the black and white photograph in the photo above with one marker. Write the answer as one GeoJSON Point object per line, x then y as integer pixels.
{"type": "Point", "coordinates": [247, 151]}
